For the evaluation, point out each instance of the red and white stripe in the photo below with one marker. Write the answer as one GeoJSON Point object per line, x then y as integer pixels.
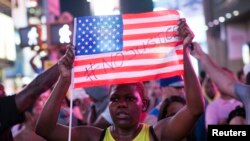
{"type": "Point", "coordinates": [149, 52]}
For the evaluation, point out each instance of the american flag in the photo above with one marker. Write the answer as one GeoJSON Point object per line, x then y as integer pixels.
{"type": "Point", "coordinates": [126, 48]}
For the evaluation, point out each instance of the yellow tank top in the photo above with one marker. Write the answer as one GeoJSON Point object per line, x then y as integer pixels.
{"type": "Point", "coordinates": [142, 136]}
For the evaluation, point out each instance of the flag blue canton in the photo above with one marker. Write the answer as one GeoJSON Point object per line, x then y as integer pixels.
{"type": "Point", "coordinates": [98, 34]}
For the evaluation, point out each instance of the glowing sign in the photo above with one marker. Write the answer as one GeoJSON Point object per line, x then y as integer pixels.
{"type": "Point", "coordinates": [33, 36]}
{"type": "Point", "coordinates": [64, 34]}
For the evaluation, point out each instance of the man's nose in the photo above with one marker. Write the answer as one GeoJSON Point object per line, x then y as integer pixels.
{"type": "Point", "coordinates": [122, 103]}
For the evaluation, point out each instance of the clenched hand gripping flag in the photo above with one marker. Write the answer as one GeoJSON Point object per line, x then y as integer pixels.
{"type": "Point", "coordinates": [126, 48]}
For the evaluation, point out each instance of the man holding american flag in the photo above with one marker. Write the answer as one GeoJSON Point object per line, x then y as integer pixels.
{"type": "Point", "coordinates": [127, 101]}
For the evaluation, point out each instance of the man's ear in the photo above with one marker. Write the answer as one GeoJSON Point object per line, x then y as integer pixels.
{"type": "Point", "coordinates": [145, 105]}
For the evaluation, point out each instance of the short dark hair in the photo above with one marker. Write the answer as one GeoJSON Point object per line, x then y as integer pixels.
{"type": "Point", "coordinates": [167, 102]}
{"type": "Point", "coordinates": [138, 86]}
{"type": "Point", "coordinates": [238, 111]}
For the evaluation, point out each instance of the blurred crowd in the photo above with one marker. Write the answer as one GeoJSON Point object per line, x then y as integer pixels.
{"type": "Point", "coordinates": [225, 95]}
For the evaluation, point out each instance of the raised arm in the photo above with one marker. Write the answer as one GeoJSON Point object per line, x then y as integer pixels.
{"type": "Point", "coordinates": [33, 66]}
{"type": "Point", "coordinates": [33, 90]}
{"type": "Point", "coordinates": [180, 125]}
{"type": "Point", "coordinates": [47, 126]}
{"type": "Point", "coordinates": [222, 79]}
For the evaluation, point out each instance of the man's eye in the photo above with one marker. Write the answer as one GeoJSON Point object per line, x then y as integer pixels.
{"type": "Point", "coordinates": [130, 99]}
{"type": "Point", "coordinates": [114, 99]}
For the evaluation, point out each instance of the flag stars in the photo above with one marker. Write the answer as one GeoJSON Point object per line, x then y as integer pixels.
{"type": "Point", "coordinates": [79, 21]}
{"type": "Point", "coordinates": [99, 34]}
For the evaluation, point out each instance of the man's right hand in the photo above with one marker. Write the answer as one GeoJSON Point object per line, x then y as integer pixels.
{"type": "Point", "coordinates": [66, 62]}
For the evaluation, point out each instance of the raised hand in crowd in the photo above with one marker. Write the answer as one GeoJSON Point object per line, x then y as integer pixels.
{"type": "Point", "coordinates": [225, 81]}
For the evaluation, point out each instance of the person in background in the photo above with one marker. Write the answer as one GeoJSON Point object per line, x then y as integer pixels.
{"type": "Point", "coordinates": [26, 129]}
{"type": "Point", "coordinates": [225, 81]}
{"type": "Point", "coordinates": [237, 116]}
{"type": "Point", "coordinates": [42, 60]}
{"type": "Point", "coordinates": [100, 98]}
{"type": "Point", "coordinates": [169, 87]}
{"type": "Point", "coordinates": [153, 92]}
{"type": "Point", "coordinates": [170, 106]}
{"type": "Point", "coordinates": [210, 90]}
{"type": "Point", "coordinates": [12, 107]}
{"type": "Point", "coordinates": [217, 110]}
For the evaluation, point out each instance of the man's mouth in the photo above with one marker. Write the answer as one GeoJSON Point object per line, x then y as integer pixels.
{"type": "Point", "coordinates": [122, 114]}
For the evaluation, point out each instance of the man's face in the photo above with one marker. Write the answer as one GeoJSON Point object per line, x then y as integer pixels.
{"type": "Point", "coordinates": [210, 89]}
{"type": "Point", "coordinates": [125, 105]}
